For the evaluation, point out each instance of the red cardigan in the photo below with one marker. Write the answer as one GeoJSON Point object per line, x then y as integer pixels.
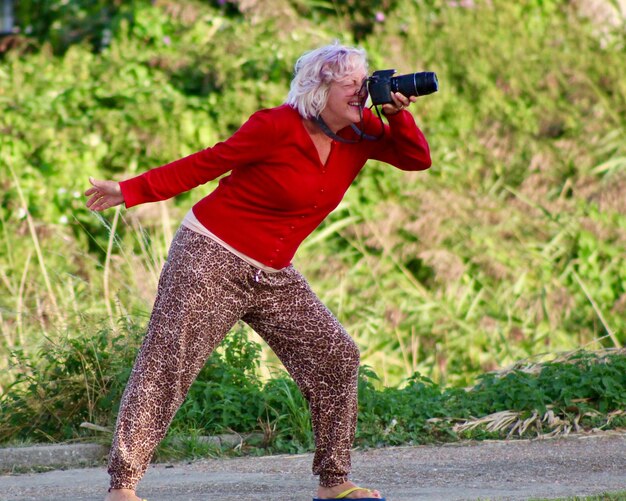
{"type": "Point", "coordinates": [278, 191]}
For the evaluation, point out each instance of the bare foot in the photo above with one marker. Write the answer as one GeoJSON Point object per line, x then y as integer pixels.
{"type": "Point", "coordinates": [121, 495]}
{"type": "Point", "coordinates": [331, 492]}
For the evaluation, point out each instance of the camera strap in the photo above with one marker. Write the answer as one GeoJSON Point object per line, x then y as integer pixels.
{"type": "Point", "coordinates": [362, 135]}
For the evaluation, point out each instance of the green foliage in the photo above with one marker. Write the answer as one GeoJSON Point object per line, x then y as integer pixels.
{"type": "Point", "coordinates": [64, 23]}
{"type": "Point", "coordinates": [394, 416]}
{"type": "Point", "coordinates": [287, 425]}
{"type": "Point", "coordinates": [226, 393]}
{"type": "Point", "coordinates": [82, 379]}
{"type": "Point", "coordinates": [584, 381]}
{"type": "Point", "coordinates": [584, 389]}
{"type": "Point", "coordinates": [73, 380]}
{"type": "Point", "coordinates": [511, 246]}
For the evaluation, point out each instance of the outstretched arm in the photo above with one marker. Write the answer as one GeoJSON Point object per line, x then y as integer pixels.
{"type": "Point", "coordinates": [251, 143]}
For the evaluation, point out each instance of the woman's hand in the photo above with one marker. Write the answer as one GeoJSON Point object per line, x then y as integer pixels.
{"type": "Point", "coordinates": [103, 194]}
{"type": "Point", "coordinates": [400, 102]}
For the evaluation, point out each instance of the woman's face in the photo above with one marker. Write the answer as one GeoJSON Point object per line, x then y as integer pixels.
{"type": "Point", "coordinates": [344, 105]}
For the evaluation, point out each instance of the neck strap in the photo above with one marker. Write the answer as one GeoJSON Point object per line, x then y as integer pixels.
{"type": "Point", "coordinates": [362, 135]}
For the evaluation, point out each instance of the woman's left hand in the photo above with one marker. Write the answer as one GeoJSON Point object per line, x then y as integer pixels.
{"type": "Point", "coordinates": [400, 102]}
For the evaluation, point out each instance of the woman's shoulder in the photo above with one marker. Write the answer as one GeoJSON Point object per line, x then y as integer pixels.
{"type": "Point", "coordinates": [281, 119]}
{"type": "Point", "coordinates": [282, 113]}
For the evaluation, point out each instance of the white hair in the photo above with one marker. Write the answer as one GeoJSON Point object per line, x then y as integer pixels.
{"type": "Point", "coordinates": [315, 70]}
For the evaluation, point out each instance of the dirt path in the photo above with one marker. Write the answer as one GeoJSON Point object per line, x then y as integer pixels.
{"type": "Point", "coordinates": [515, 470]}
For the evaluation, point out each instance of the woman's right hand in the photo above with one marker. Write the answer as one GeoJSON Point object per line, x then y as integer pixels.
{"type": "Point", "coordinates": [103, 194]}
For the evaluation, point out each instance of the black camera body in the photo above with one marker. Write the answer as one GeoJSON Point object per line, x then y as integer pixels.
{"type": "Point", "coordinates": [382, 83]}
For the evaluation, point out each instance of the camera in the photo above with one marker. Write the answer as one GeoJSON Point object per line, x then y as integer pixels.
{"type": "Point", "coordinates": [382, 83]}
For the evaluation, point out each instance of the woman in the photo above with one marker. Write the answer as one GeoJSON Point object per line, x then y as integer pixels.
{"type": "Point", "coordinates": [230, 260]}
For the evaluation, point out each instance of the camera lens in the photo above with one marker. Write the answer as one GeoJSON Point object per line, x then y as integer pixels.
{"type": "Point", "coordinates": [415, 84]}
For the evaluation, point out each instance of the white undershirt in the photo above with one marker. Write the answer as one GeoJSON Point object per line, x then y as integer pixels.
{"type": "Point", "coordinates": [191, 221]}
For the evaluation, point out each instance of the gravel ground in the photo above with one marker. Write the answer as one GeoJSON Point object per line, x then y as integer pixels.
{"type": "Point", "coordinates": [506, 470]}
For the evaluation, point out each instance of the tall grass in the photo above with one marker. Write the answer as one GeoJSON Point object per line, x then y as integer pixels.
{"type": "Point", "coordinates": [511, 247]}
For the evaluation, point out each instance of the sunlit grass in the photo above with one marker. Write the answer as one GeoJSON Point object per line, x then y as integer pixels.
{"type": "Point", "coordinates": [510, 248]}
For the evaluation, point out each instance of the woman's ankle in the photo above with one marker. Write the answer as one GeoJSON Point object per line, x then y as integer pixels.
{"type": "Point", "coordinates": [121, 495]}
{"type": "Point", "coordinates": [331, 492]}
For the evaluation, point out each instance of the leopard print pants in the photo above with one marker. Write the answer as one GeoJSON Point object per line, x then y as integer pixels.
{"type": "Point", "coordinates": [203, 291]}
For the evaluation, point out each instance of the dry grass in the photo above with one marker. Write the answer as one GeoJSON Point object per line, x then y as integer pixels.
{"type": "Point", "coordinates": [547, 425]}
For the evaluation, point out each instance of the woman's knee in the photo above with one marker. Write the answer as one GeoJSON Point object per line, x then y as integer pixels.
{"type": "Point", "coordinates": [344, 353]}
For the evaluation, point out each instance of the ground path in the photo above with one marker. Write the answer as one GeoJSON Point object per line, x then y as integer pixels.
{"type": "Point", "coordinates": [511, 470]}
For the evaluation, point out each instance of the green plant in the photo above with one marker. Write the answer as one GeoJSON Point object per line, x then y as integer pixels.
{"type": "Point", "coordinates": [510, 247]}
{"type": "Point", "coordinates": [74, 380]}
{"type": "Point", "coordinates": [228, 385]}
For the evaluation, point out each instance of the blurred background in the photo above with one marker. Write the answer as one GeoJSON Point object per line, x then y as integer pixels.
{"type": "Point", "coordinates": [511, 247]}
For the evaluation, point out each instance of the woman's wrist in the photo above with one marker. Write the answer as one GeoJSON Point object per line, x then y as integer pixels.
{"type": "Point", "coordinates": [393, 113]}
